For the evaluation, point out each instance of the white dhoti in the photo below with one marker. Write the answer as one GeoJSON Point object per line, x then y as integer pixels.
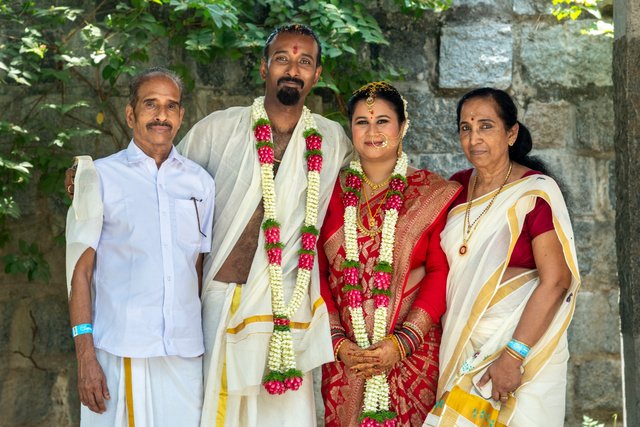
{"type": "Point", "coordinates": [238, 319]}
{"type": "Point", "coordinates": [149, 392]}
{"type": "Point", "coordinates": [254, 407]}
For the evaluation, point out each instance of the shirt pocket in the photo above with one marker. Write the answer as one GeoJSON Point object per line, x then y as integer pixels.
{"type": "Point", "coordinates": [188, 221]}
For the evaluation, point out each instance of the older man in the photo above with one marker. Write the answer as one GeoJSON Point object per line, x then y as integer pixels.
{"type": "Point", "coordinates": [137, 230]}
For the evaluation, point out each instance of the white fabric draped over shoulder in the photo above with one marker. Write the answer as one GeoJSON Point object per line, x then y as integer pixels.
{"type": "Point", "coordinates": [482, 311]}
{"type": "Point", "coordinates": [236, 340]}
{"type": "Point", "coordinates": [84, 217]}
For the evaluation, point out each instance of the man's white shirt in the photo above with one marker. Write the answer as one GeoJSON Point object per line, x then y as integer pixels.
{"type": "Point", "coordinates": [156, 223]}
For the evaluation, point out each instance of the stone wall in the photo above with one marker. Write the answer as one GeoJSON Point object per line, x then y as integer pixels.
{"type": "Point", "coordinates": [562, 82]}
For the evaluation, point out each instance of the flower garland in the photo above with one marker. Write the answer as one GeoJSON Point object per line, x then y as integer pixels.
{"type": "Point", "coordinates": [375, 410]}
{"type": "Point", "coordinates": [282, 374]}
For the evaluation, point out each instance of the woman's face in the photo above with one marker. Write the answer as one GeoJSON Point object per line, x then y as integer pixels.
{"type": "Point", "coordinates": [483, 136]}
{"type": "Point", "coordinates": [375, 130]}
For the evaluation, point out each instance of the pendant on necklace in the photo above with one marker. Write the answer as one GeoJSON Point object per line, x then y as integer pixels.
{"type": "Point", "coordinates": [463, 249]}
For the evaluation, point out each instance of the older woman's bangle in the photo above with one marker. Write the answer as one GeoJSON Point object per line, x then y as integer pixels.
{"type": "Point", "coordinates": [519, 347]}
{"type": "Point", "coordinates": [513, 354]}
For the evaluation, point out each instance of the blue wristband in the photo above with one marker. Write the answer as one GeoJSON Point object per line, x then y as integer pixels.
{"type": "Point", "coordinates": [81, 329]}
{"type": "Point", "coordinates": [520, 348]}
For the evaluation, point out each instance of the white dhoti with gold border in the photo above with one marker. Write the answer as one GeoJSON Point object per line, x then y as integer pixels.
{"type": "Point", "coordinates": [237, 319]}
{"type": "Point", "coordinates": [149, 392]}
{"type": "Point", "coordinates": [252, 406]}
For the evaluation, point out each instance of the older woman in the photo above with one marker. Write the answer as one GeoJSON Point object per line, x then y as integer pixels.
{"type": "Point", "coordinates": [383, 273]}
{"type": "Point", "coordinates": [513, 279]}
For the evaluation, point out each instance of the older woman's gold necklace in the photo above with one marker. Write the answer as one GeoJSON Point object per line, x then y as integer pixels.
{"type": "Point", "coordinates": [469, 228]}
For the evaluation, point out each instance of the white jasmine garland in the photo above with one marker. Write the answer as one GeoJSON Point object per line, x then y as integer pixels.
{"type": "Point", "coordinates": [281, 358]}
{"type": "Point", "coordinates": [376, 394]}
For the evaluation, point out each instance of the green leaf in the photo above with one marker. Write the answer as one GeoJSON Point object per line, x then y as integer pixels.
{"type": "Point", "coordinates": [65, 108]}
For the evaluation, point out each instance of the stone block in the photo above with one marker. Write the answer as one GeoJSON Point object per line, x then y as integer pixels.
{"type": "Point", "coordinates": [432, 126]}
{"type": "Point", "coordinates": [595, 126]}
{"type": "Point", "coordinates": [595, 327]}
{"type": "Point", "coordinates": [552, 124]}
{"type": "Point", "coordinates": [53, 333]}
{"type": "Point", "coordinates": [595, 244]}
{"type": "Point", "coordinates": [598, 384]}
{"type": "Point", "coordinates": [25, 398]}
{"type": "Point", "coordinates": [207, 100]}
{"type": "Point", "coordinates": [577, 176]}
{"type": "Point", "coordinates": [605, 168]}
{"type": "Point", "coordinates": [532, 7]}
{"type": "Point", "coordinates": [444, 165]}
{"type": "Point", "coordinates": [497, 5]}
{"type": "Point", "coordinates": [559, 56]}
{"type": "Point", "coordinates": [7, 309]}
{"type": "Point", "coordinates": [232, 75]}
{"type": "Point", "coordinates": [412, 48]}
{"type": "Point", "coordinates": [478, 54]}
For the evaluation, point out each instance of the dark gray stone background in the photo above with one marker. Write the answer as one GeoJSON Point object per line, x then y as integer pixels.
{"type": "Point", "coordinates": [563, 84]}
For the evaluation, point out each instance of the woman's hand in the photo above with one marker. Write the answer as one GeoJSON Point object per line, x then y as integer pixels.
{"type": "Point", "coordinates": [384, 355]}
{"type": "Point", "coordinates": [352, 355]}
{"type": "Point", "coordinates": [505, 376]}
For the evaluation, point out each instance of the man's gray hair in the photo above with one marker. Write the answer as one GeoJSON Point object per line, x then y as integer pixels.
{"type": "Point", "coordinates": [148, 74]}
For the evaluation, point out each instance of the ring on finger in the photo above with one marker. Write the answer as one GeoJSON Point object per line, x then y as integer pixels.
{"type": "Point", "coordinates": [504, 397]}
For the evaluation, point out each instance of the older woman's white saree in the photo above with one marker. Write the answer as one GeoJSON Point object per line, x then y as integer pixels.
{"type": "Point", "coordinates": [482, 313]}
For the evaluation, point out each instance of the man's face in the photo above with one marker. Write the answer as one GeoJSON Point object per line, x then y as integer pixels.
{"type": "Point", "coordinates": [157, 115]}
{"type": "Point", "coordinates": [290, 70]}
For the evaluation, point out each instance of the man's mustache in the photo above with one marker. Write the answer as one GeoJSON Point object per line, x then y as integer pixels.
{"type": "Point", "coordinates": [165, 123]}
{"type": "Point", "coordinates": [292, 80]}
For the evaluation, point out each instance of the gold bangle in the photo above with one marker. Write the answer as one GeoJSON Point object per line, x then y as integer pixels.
{"type": "Point", "coordinates": [401, 351]}
{"type": "Point", "coordinates": [415, 329]}
{"type": "Point", "coordinates": [514, 354]}
{"type": "Point", "coordinates": [337, 350]}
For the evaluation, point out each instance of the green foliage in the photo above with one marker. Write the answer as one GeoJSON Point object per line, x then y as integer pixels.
{"type": "Point", "coordinates": [29, 260]}
{"type": "Point", "coordinates": [572, 9]}
{"type": "Point", "coordinates": [67, 65]}
{"type": "Point", "coordinates": [590, 422]}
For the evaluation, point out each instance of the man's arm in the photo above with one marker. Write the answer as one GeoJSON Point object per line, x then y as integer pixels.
{"type": "Point", "coordinates": [92, 384]}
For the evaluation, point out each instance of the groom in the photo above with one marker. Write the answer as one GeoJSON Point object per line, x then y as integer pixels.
{"type": "Point", "coordinates": [238, 317]}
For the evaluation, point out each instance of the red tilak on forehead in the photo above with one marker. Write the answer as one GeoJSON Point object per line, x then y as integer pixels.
{"type": "Point", "coordinates": [295, 48]}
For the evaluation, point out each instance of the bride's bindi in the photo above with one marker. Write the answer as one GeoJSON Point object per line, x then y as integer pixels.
{"type": "Point", "coordinates": [295, 48]}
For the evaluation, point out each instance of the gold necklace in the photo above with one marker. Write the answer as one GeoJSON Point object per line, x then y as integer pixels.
{"type": "Point", "coordinates": [372, 230]}
{"type": "Point", "coordinates": [374, 186]}
{"type": "Point", "coordinates": [369, 232]}
{"type": "Point", "coordinates": [373, 215]}
{"type": "Point", "coordinates": [469, 228]}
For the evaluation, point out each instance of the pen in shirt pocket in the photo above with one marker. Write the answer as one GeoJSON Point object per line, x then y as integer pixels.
{"type": "Point", "coordinates": [195, 205]}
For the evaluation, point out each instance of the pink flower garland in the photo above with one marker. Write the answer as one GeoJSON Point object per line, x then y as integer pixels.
{"type": "Point", "coordinates": [383, 270]}
{"type": "Point", "coordinates": [279, 381]}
